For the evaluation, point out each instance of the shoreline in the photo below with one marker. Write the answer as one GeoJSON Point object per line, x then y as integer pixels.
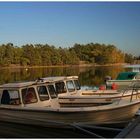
{"type": "Point", "coordinates": [63, 66]}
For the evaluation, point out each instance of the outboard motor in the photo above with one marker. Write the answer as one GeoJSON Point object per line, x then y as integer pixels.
{"type": "Point", "coordinates": [107, 78]}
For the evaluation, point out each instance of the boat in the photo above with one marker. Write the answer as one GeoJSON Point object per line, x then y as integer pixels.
{"type": "Point", "coordinates": [35, 103]}
{"type": "Point", "coordinates": [134, 67]}
{"type": "Point", "coordinates": [123, 80]}
{"type": "Point", "coordinates": [70, 93]}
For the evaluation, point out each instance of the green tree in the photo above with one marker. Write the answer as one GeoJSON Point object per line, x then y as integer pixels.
{"type": "Point", "coordinates": [129, 58]}
{"type": "Point", "coordinates": [32, 54]}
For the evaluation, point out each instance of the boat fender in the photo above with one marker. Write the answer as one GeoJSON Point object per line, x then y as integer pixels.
{"type": "Point", "coordinates": [114, 86]}
{"type": "Point", "coordinates": [102, 87]}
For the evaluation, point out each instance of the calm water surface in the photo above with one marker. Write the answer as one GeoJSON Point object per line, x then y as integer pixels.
{"type": "Point", "coordinates": [88, 76]}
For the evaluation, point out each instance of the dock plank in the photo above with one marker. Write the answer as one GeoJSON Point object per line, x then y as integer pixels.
{"type": "Point", "coordinates": [132, 130]}
{"type": "Point", "coordinates": [135, 133]}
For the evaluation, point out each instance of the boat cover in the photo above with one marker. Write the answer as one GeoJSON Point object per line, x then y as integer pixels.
{"type": "Point", "coordinates": [126, 75]}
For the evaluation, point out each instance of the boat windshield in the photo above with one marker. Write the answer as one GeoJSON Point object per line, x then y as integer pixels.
{"type": "Point", "coordinates": [43, 93]}
{"type": "Point", "coordinates": [52, 91]}
{"type": "Point", "coordinates": [10, 97]}
{"type": "Point", "coordinates": [60, 87]}
{"type": "Point", "coordinates": [77, 84]}
{"type": "Point", "coordinates": [70, 86]}
{"type": "Point", "coordinates": [29, 95]}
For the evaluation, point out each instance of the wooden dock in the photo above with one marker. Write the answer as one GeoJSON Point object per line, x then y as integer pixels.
{"type": "Point", "coordinates": [132, 130]}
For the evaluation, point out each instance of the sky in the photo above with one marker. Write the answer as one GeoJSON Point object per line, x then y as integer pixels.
{"type": "Point", "coordinates": [63, 24]}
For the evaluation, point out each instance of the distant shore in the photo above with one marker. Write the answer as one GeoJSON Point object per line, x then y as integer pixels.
{"type": "Point", "coordinates": [53, 66]}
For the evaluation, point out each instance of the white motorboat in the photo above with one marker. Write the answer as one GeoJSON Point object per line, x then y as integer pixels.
{"type": "Point", "coordinates": [123, 80]}
{"type": "Point", "coordinates": [36, 103]}
{"type": "Point", "coordinates": [70, 93]}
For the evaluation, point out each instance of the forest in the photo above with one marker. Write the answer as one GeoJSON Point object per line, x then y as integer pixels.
{"type": "Point", "coordinates": [47, 55]}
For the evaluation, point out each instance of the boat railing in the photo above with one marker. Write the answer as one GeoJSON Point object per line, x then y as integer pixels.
{"type": "Point", "coordinates": [134, 88]}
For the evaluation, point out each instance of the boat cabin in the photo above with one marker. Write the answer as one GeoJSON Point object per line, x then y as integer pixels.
{"type": "Point", "coordinates": [28, 94]}
{"type": "Point", "coordinates": [64, 84]}
{"type": "Point", "coordinates": [38, 105]}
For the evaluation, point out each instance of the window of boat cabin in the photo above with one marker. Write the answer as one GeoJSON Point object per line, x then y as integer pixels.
{"type": "Point", "coordinates": [10, 97]}
{"type": "Point", "coordinates": [29, 95]}
{"type": "Point", "coordinates": [52, 91]}
{"type": "Point", "coordinates": [77, 84]}
{"type": "Point", "coordinates": [43, 93]}
{"type": "Point", "coordinates": [70, 86]}
{"type": "Point", "coordinates": [60, 87]}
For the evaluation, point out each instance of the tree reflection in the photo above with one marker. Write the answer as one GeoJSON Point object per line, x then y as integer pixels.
{"type": "Point", "coordinates": [88, 76]}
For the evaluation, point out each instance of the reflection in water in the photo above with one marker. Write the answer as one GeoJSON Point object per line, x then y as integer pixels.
{"type": "Point", "coordinates": [95, 75]}
{"type": "Point", "coordinates": [88, 76]}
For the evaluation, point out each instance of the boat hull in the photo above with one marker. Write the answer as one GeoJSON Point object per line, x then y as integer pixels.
{"type": "Point", "coordinates": [121, 84]}
{"type": "Point", "coordinates": [64, 118]}
{"type": "Point", "coordinates": [94, 100]}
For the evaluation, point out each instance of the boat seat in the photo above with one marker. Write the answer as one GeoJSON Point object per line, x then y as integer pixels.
{"type": "Point", "coordinates": [5, 97]}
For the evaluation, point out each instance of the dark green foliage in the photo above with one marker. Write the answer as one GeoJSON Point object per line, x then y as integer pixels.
{"type": "Point", "coordinates": [46, 55]}
{"type": "Point", "coordinates": [99, 53]}
{"type": "Point", "coordinates": [129, 58]}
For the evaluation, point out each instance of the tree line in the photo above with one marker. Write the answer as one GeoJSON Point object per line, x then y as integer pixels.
{"type": "Point", "coordinates": [46, 55]}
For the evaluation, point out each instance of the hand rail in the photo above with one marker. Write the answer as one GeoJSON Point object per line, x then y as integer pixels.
{"type": "Point", "coordinates": [134, 89]}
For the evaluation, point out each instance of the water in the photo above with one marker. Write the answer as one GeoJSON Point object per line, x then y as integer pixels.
{"type": "Point", "coordinates": [89, 76]}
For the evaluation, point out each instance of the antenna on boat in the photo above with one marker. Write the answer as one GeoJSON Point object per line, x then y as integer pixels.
{"type": "Point", "coordinates": [39, 80]}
